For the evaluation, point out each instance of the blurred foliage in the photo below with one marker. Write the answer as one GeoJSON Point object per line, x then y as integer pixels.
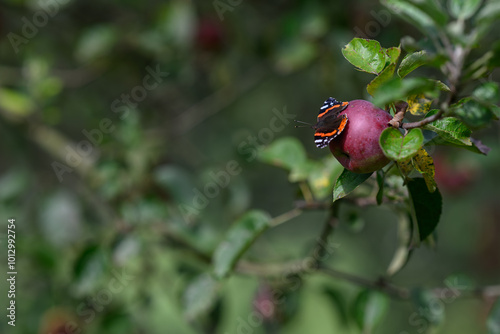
{"type": "Point", "coordinates": [139, 145]}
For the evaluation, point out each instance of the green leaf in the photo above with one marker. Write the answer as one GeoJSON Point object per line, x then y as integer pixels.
{"type": "Point", "coordinates": [347, 182]}
{"type": "Point", "coordinates": [473, 113]}
{"type": "Point", "coordinates": [369, 309]}
{"type": "Point", "coordinates": [302, 172]}
{"type": "Point", "coordinates": [89, 268]}
{"type": "Point", "coordinates": [483, 22]}
{"type": "Point", "coordinates": [339, 302]}
{"type": "Point", "coordinates": [393, 54]}
{"type": "Point", "coordinates": [175, 20]}
{"type": "Point", "coordinates": [96, 42]}
{"type": "Point", "coordinates": [367, 55]}
{"type": "Point", "coordinates": [16, 103]}
{"type": "Point", "coordinates": [463, 9]}
{"type": "Point", "coordinates": [295, 54]}
{"type": "Point", "coordinates": [418, 104]}
{"type": "Point", "coordinates": [322, 178]}
{"type": "Point", "coordinates": [476, 147]}
{"type": "Point", "coordinates": [237, 240]}
{"type": "Point", "coordinates": [412, 14]}
{"type": "Point", "coordinates": [450, 129]}
{"type": "Point", "coordinates": [397, 147]}
{"type": "Point", "coordinates": [487, 92]}
{"type": "Point", "coordinates": [435, 10]}
{"type": "Point", "coordinates": [425, 165]}
{"type": "Point", "coordinates": [405, 167]}
{"type": "Point", "coordinates": [384, 76]}
{"type": "Point", "coordinates": [411, 62]}
{"type": "Point", "coordinates": [288, 153]}
{"type": "Point", "coordinates": [285, 152]}
{"type": "Point", "coordinates": [426, 206]}
{"type": "Point", "coordinates": [489, 12]}
{"type": "Point", "coordinates": [399, 89]}
{"type": "Point", "coordinates": [493, 322]}
{"type": "Point", "coordinates": [441, 86]}
{"type": "Point", "coordinates": [200, 296]}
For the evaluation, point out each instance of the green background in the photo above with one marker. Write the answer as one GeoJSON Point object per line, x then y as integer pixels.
{"type": "Point", "coordinates": [118, 210]}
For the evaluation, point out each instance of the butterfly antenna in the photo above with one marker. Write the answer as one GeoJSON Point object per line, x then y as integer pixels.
{"type": "Point", "coordinates": [303, 126]}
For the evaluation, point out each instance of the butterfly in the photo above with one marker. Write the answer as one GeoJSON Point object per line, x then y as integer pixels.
{"type": "Point", "coordinates": [330, 124]}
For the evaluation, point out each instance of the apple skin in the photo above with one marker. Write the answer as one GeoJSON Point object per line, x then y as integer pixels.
{"type": "Point", "coordinates": [357, 147]}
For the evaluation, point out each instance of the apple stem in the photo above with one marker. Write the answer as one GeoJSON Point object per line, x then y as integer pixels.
{"type": "Point", "coordinates": [397, 120]}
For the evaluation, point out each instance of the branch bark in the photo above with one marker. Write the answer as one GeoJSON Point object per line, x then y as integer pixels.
{"type": "Point", "coordinates": [424, 121]}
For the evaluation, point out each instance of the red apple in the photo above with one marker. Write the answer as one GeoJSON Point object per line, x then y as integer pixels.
{"type": "Point", "coordinates": [357, 147]}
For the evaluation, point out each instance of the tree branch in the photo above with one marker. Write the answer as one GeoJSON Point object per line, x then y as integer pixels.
{"type": "Point", "coordinates": [381, 284]}
{"type": "Point", "coordinates": [424, 121]}
{"type": "Point", "coordinates": [319, 251]}
{"type": "Point", "coordinates": [285, 217]}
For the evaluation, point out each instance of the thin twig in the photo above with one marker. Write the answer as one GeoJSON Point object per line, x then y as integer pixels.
{"type": "Point", "coordinates": [271, 269]}
{"type": "Point", "coordinates": [319, 251]}
{"type": "Point", "coordinates": [304, 205]}
{"type": "Point", "coordinates": [285, 217]}
{"type": "Point", "coordinates": [424, 121]}
{"type": "Point", "coordinates": [380, 284]}
{"type": "Point", "coordinates": [306, 191]}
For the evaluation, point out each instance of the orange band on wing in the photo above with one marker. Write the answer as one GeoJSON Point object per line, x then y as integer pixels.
{"type": "Point", "coordinates": [342, 124]}
{"type": "Point", "coordinates": [341, 127]}
{"type": "Point", "coordinates": [335, 106]}
{"type": "Point", "coordinates": [327, 110]}
{"type": "Point", "coordinates": [326, 134]}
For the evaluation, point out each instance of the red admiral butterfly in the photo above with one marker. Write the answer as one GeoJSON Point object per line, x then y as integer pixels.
{"type": "Point", "coordinates": [329, 124]}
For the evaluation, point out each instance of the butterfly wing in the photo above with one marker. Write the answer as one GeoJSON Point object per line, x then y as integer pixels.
{"type": "Point", "coordinates": [330, 124]}
{"type": "Point", "coordinates": [326, 132]}
{"type": "Point", "coordinates": [331, 107]}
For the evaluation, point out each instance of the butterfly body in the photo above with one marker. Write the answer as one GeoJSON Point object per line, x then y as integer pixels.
{"type": "Point", "coordinates": [330, 123]}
